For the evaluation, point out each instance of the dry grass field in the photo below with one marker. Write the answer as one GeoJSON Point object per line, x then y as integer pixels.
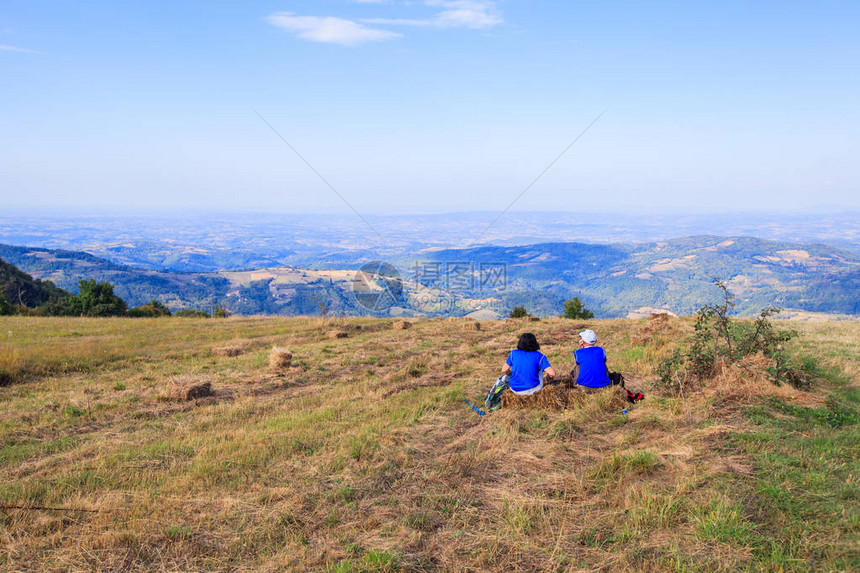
{"type": "Point", "coordinates": [361, 455]}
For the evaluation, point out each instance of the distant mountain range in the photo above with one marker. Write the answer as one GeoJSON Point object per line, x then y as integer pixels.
{"type": "Point", "coordinates": [203, 243]}
{"type": "Point", "coordinates": [676, 275]}
{"type": "Point", "coordinates": [612, 279]}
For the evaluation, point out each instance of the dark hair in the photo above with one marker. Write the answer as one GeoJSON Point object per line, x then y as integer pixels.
{"type": "Point", "coordinates": [528, 342]}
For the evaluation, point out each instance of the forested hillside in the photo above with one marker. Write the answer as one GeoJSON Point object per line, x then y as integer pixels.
{"type": "Point", "coordinates": [17, 288]}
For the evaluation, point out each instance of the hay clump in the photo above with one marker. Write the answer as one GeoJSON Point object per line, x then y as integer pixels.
{"type": "Point", "coordinates": [280, 358]}
{"type": "Point", "coordinates": [401, 325]}
{"type": "Point", "coordinates": [640, 339]}
{"type": "Point", "coordinates": [556, 397]}
{"type": "Point", "coordinates": [186, 388]}
{"type": "Point", "coordinates": [471, 325]}
{"type": "Point", "coordinates": [749, 379]}
{"type": "Point", "coordinates": [227, 351]}
{"type": "Point", "coordinates": [333, 334]}
{"type": "Point", "coordinates": [561, 396]}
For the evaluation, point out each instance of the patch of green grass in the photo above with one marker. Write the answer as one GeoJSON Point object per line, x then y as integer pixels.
{"type": "Point", "coordinates": [417, 368]}
{"type": "Point", "coordinates": [420, 521]}
{"type": "Point", "coordinates": [72, 411]}
{"type": "Point", "coordinates": [377, 561]}
{"type": "Point", "coordinates": [177, 532]}
{"type": "Point", "coordinates": [654, 510]}
{"type": "Point", "coordinates": [362, 446]}
{"type": "Point", "coordinates": [806, 463]}
{"type": "Point", "coordinates": [634, 353]}
{"type": "Point", "coordinates": [342, 566]}
{"type": "Point", "coordinates": [723, 522]}
{"type": "Point", "coordinates": [616, 467]}
{"type": "Point", "coordinates": [22, 450]}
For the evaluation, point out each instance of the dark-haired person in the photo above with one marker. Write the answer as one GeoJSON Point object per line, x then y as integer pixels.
{"type": "Point", "coordinates": [591, 371]}
{"type": "Point", "coordinates": [526, 366]}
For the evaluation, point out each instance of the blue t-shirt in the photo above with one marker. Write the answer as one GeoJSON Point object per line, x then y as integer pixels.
{"type": "Point", "coordinates": [525, 369]}
{"type": "Point", "coordinates": [592, 367]}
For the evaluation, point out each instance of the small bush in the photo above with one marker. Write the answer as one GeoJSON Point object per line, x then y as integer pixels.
{"type": "Point", "coordinates": [717, 340]}
{"type": "Point", "coordinates": [152, 310]}
{"type": "Point", "coordinates": [191, 313]}
{"type": "Point", "coordinates": [574, 308]}
{"type": "Point", "coordinates": [519, 312]}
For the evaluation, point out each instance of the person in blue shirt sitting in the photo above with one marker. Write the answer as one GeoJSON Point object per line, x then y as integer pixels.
{"type": "Point", "coordinates": [591, 372]}
{"type": "Point", "coordinates": [526, 367]}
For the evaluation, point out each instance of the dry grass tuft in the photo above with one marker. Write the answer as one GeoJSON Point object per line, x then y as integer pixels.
{"type": "Point", "coordinates": [423, 382]}
{"type": "Point", "coordinates": [748, 379]}
{"type": "Point", "coordinates": [184, 388]}
{"type": "Point", "coordinates": [401, 325]}
{"type": "Point", "coordinates": [640, 339]}
{"type": "Point", "coordinates": [658, 323]}
{"type": "Point", "coordinates": [280, 358]}
{"type": "Point", "coordinates": [471, 325]}
{"type": "Point", "coordinates": [336, 334]}
{"type": "Point", "coordinates": [227, 351]}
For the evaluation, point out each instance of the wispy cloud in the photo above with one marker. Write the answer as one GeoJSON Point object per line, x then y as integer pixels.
{"type": "Point", "coordinates": [474, 14]}
{"type": "Point", "coordinates": [471, 14]}
{"type": "Point", "coordinates": [330, 30]}
{"type": "Point", "coordinates": [17, 49]}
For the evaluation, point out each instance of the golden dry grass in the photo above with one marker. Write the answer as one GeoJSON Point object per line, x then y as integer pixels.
{"type": "Point", "coordinates": [280, 359]}
{"type": "Point", "coordinates": [362, 456]}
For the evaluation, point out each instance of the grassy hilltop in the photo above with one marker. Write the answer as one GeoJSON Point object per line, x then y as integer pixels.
{"type": "Point", "coordinates": [363, 456]}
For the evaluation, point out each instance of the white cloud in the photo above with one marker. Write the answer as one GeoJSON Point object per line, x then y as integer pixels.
{"type": "Point", "coordinates": [16, 49]}
{"type": "Point", "coordinates": [329, 29]}
{"type": "Point", "coordinates": [474, 14]}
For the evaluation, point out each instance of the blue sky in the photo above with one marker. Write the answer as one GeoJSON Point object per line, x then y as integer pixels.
{"type": "Point", "coordinates": [435, 105]}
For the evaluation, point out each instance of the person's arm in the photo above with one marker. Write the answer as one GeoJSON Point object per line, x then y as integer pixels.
{"type": "Point", "coordinates": [506, 369]}
{"type": "Point", "coordinates": [548, 370]}
{"type": "Point", "coordinates": [605, 362]}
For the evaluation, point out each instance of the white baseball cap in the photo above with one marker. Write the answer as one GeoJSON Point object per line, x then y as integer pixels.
{"type": "Point", "coordinates": [588, 336]}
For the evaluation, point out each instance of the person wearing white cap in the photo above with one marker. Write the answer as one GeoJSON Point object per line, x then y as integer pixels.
{"type": "Point", "coordinates": [591, 371]}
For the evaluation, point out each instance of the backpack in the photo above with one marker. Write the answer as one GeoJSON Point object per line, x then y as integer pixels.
{"type": "Point", "coordinates": [617, 379]}
{"type": "Point", "coordinates": [493, 401]}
